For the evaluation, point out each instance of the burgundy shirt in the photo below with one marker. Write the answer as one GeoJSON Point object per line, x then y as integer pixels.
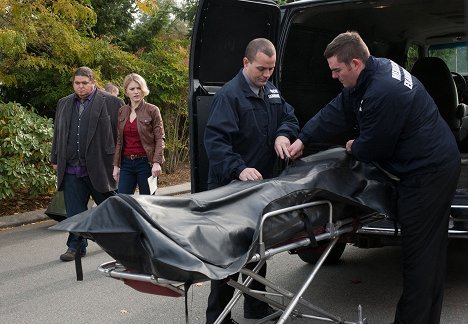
{"type": "Point", "coordinates": [132, 142]}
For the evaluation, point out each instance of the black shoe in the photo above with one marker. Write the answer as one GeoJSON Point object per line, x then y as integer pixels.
{"type": "Point", "coordinates": [262, 314]}
{"type": "Point", "coordinates": [69, 255]}
{"type": "Point", "coordinates": [230, 321]}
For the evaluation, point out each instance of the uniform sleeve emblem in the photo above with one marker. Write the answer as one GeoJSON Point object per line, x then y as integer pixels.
{"type": "Point", "coordinates": [396, 74]}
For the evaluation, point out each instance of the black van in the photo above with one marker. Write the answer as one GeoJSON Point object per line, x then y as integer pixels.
{"type": "Point", "coordinates": [405, 31]}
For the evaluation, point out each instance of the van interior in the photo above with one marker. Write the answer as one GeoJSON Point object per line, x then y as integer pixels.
{"type": "Point", "coordinates": [406, 31]}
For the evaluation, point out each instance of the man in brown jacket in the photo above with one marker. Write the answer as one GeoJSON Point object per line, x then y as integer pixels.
{"type": "Point", "coordinates": [83, 148]}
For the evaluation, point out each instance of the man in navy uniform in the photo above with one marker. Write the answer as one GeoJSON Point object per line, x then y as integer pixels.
{"type": "Point", "coordinates": [399, 126]}
{"type": "Point", "coordinates": [249, 126]}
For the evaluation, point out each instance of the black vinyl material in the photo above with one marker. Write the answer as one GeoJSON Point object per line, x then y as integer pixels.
{"type": "Point", "coordinates": [56, 209]}
{"type": "Point", "coordinates": [212, 234]}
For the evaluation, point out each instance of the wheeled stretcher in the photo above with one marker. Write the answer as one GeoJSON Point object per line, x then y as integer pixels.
{"type": "Point", "coordinates": [281, 299]}
{"type": "Point", "coordinates": [162, 245]}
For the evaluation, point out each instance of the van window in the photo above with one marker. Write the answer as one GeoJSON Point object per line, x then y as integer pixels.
{"type": "Point", "coordinates": [454, 55]}
{"type": "Point", "coordinates": [412, 57]}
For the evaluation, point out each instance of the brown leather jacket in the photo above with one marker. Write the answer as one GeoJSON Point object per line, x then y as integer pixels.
{"type": "Point", "coordinates": [150, 130]}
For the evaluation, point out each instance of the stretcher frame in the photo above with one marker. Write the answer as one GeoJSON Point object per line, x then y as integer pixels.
{"type": "Point", "coordinates": [280, 299]}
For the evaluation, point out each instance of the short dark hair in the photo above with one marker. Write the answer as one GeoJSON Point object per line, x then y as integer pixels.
{"type": "Point", "coordinates": [346, 47]}
{"type": "Point", "coordinates": [109, 87]}
{"type": "Point", "coordinates": [84, 71]}
{"type": "Point", "coordinates": [261, 45]}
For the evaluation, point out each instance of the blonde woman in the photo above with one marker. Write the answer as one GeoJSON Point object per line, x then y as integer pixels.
{"type": "Point", "coordinates": [140, 139]}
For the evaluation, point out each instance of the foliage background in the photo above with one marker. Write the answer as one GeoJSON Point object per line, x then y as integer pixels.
{"type": "Point", "coordinates": [42, 42]}
{"type": "Point", "coordinates": [25, 144]}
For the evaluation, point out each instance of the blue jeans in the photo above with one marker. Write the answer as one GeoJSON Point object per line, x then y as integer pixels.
{"type": "Point", "coordinates": [76, 193]}
{"type": "Point", "coordinates": [133, 172]}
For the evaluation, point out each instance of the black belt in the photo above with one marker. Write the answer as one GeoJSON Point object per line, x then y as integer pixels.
{"type": "Point", "coordinates": [135, 156]}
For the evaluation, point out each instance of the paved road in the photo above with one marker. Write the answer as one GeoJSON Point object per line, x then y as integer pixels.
{"type": "Point", "coordinates": [35, 287]}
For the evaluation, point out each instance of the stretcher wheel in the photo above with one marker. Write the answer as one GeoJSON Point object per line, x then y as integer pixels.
{"type": "Point", "coordinates": [311, 255]}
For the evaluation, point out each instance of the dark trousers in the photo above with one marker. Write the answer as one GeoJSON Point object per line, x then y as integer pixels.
{"type": "Point", "coordinates": [76, 193]}
{"type": "Point", "coordinates": [133, 172]}
{"type": "Point", "coordinates": [221, 293]}
{"type": "Point", "coordinates": [423, 213]}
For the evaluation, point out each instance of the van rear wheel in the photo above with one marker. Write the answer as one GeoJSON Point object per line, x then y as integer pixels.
{"type": "Point", "coordinates": [312, 255]}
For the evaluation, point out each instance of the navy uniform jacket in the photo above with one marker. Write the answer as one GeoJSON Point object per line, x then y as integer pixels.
{"type": "Point", "coordinates": [242, 128]}
{"type": "Point", "coordinates": [399, 124]}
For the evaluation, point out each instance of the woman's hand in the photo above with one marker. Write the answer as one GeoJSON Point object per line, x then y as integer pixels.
{"type": "Point", "coordinates": [156, 169]}
{"type": "Point", "coordinates": [116, 173]}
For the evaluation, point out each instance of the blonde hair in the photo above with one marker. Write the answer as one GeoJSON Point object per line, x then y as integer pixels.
{"type": "Point", "coordinates": [138, 79]}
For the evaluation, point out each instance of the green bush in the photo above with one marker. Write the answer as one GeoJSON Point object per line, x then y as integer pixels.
{"type": "Point", "coordinates": [169, 83]}
{"type": "Point", "coordinates": [25, 144]}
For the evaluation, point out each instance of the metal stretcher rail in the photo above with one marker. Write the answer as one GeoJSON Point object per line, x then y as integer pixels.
{"type": "Point", "coordinates": [333, 231]}
{"type": "Point", "coordinates": [115, 270]}
{"type": "Point", "coordinates": [458, 227]}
